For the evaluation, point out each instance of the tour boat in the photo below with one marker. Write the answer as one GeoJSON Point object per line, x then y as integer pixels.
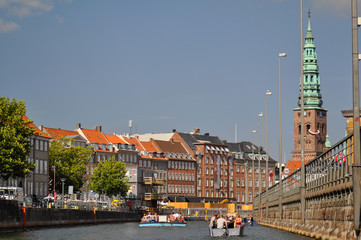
{"type": "Point", "coordinates": [215, 232]}
{"type": "Point", "coordinates": [163, 222]}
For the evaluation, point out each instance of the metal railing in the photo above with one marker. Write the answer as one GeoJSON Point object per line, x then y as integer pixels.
{"type": "Point", "coordinates": [331, 169]}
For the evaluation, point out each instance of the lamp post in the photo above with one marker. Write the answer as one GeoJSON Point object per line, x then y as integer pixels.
{"type": "Point", "coordinates": [356, 167]}
{"type": "Point", "coordinates": [54, 169]}
{"type": "Point", "coordinates": [62, 190]}
{"type": "Point", "coordinates": [280, 131]}
{"type": "Point", "coordinates": [268, 93]}
{"type": "Point", "coordinates": [253, 158]}
{"type": "Point", "coordinates": [259, 160]}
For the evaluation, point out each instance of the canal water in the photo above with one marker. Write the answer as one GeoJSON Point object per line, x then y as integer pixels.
{"type": "Point", "coordinates": [131, 231]}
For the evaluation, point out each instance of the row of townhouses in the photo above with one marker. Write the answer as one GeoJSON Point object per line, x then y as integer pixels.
{"type": "Point", "coordinates": [174, 166]}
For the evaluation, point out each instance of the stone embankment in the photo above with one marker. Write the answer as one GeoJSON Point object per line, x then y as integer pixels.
{"type": "Point", "coordinates": [13, 217]}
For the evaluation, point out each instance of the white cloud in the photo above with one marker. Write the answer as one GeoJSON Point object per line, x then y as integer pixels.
{"type": "Point", "coordinates": [26, 7]}
{"type": "Point", "coordinates": [8, 26]}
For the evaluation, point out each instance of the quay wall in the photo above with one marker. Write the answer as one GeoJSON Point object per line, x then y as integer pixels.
{"type": "Point", "coordinates": [13, 217]}
{"type": "Point", "coordinates": [327, 216]}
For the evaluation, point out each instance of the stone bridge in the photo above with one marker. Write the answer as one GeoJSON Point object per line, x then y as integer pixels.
{"type": "Point", "coordinates": [330, 206]}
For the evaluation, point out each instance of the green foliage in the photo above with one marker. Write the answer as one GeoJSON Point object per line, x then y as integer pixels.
{"type": "Point", "coordinates": [15, 133]}
{"type": "Point", "coordinates": [70, 163]}
{"type": "Point", "coordinates": [110, 177]}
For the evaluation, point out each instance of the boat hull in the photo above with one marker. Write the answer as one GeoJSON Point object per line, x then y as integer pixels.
{"type": "Point", "coordinates": [215, 232]}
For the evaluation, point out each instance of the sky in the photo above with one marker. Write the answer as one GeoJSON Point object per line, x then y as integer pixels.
{"type": "Point", "coordinates": [173, 64]}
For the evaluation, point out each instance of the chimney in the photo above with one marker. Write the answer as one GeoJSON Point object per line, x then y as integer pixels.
{"type": "Point", "coordinates": [41, 128]}
{"type": "Point", "coordinates": [196, 131]}
{"type": "Point", "coordinates": [174, 130]}
{"type": "Point", "coordinates": [78, 125]}
{"type": "Point", "coordinates": [98, 128]}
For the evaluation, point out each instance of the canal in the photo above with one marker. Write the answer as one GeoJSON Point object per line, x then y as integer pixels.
{"type": "Point", "coordinates": [131, 231]}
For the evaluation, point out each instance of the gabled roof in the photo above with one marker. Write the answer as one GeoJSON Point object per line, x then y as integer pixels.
{"type": "Point", "coordinates": [94, 136]}
{"type": "Point", "coordinates": [37, 130]}
{"type": "Point", "coordinates": [55, 133]}
{"type": "Point", "coordinates": [114, 139]}
{"type": "Point", "coordinates": [169, 146]}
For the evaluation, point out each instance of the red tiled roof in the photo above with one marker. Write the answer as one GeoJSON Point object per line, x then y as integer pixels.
{"type": "Point", "coordinates": [56, 132]}
{"type": "Point", "coordinates": [94, 136]}
{"type": "Point", "coordinates": [37, 130]}
{"type": "Point", "coordinates": [149, 147]}
{"type": "Point", "coordinates": [114, 139]}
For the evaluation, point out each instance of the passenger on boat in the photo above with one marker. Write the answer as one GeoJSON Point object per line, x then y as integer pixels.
{"type": "Point", "coordinates": [239, 221]}
{"type": "Point", "coordinates": [231, 223]}
{"type": "Point", "coordinates": [221, 222]}
{"type": "Point", "coordinates": [213, 222]}
{"type": "Point", "coordinates": [251, 220]}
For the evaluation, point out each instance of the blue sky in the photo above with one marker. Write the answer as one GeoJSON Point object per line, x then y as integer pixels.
{"type": "Point", "coordinates": [172, 64]}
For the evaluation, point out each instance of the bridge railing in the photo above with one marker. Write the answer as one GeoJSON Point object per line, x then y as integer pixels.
{"type": "Point", "coordinates": [331, 169]}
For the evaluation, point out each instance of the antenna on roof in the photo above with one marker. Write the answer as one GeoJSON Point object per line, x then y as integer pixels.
{"type": "Point", "coordinates": [235, 132]}
{"type": "Point", "coordinates": [130, 127]}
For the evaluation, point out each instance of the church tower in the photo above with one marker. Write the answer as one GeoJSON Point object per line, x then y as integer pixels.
{"type": "Point", "coordinates": [315, 117]}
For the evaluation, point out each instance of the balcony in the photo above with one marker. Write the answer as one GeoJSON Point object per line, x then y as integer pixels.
{"type": "Point", "coordinates": [148, 180]}
{"type": "Point", "coordinates": [159, 181]}
{"type": "Point", "coordinates": [149, 196]}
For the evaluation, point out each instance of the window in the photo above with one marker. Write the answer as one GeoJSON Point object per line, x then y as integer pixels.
{"type": "Point", "coordinates": [225, 172]}
{"type": "Point", "coordinates": [263, 183]}
{"type": "Point", "coordinates": [207, 170]}
{"type": "Point", "coordinates": [250, 170]}
{"type": "Point", "coordinates": [250, 183]}
{"type": "Point", "coordinates": [231, 183]}
{"type": "Point", "coordinates": [211, 182]}
{"type": "Point", "coordinates": [211, 171]}
{"type": "Point", "coordinates": [237, 182]}
{"type": "Point", "coordinates": [242, 182]}
{"type": "Point", "coordinates": [211, 160]}
{"type": "Point", "coordinates": [207, 182]}
{"type": "Point", "coordinates": [257, 184]}
{"type": "Point", "coordinates": [140, 163]}
{"type": "Point", "coordinates": [263, 170]}
{"type": "Point", "coordinates": [207, 159]}
{"type": "Point", "coordinates": [37, 166]}
{"type": "Point", "coordinates": [212, 193]}
{"type": "Point", "coordinates": [199, 193]}
{"type": "Point", "coordinates": [149, 164]}
{"type": "Point", "coordinates": [199, 182]}
{"type": "Point", "coordinates": [237, 169]}
{"type": "Point", "coordinates": [225, 182]}
{"type": "Point", "coordinates": [242, 169]}
{"type": "Point", "coordinates": [36, 144]}
{"type": "Point", "coordinates": [41, 166]}
{"type": "Point", "coordinates": [238, 197]}
{"type": "Point", "coordinates": [45, 167]}
{"type": "Point", "coordinates": [41, 145]}
{"type": "Point", "coordinates": [242, 196]}
{"type": "Point", "coordinates": [46, 146]}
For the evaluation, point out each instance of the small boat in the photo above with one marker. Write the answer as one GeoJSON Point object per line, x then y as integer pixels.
{"type": "Point", "coordinates": [163, 224]}
{"type": "Point", "coordinates": [216, 232]}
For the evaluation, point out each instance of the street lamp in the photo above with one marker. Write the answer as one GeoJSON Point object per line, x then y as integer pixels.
{"type": "Point", "coordinates": [62, 190]}
{"type": "Point", "coordinates": [253, 132]}
{"type": "Point", "coordinates": [268, 93]}
{"type": "Point", "coordinates": [259, 157]}
{"type": "Point", "coordinates": [54, 168]}
{"type": "Point", "coordinates": [280, 131]}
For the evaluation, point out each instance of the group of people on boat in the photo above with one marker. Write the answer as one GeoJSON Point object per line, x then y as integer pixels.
{"type": "Point", "coordinates": [152, 218]}
{"type": "Point", "coordinates": [222, 221]}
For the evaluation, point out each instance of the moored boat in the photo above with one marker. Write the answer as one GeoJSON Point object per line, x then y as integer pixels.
{"type": "Point", "coordinates": [163, 221]}
{"type": "Point", "coordinates": [216, 232]}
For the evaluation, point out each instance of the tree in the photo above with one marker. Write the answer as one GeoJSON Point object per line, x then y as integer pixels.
{"type": "Point", "coordinates": [109, 176]}
{"type": "Point", "coordinates": [15, 133]}
{"type": "Point", "coordinates": [70, 163]}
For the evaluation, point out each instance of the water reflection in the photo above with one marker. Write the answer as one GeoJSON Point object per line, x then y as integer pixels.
{"type": "Point", "coordinates": [131, 231]}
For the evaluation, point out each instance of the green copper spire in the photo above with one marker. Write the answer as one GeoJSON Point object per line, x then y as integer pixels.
{"type": "Point", "coordinates": [311, 78]}
{"type": "Point", "coordinates": [327, 143]}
